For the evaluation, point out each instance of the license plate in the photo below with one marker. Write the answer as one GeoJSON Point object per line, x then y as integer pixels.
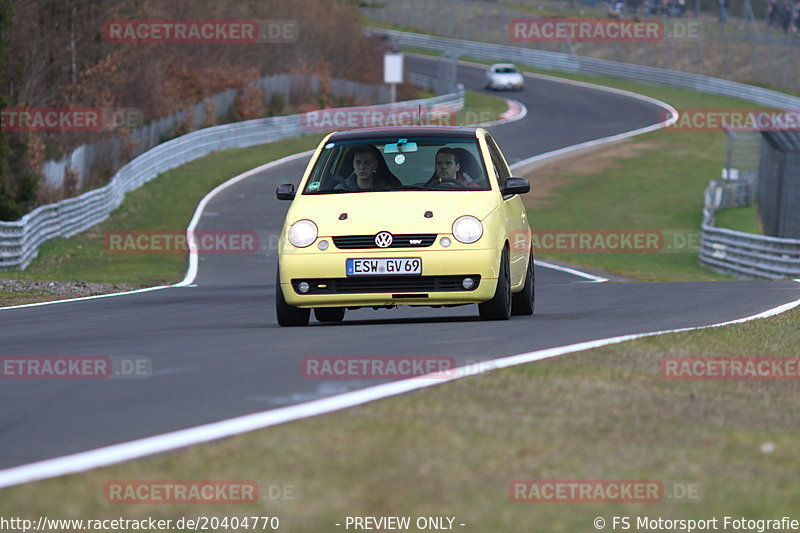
{"type": "Point", "coordinates": [384, 267]}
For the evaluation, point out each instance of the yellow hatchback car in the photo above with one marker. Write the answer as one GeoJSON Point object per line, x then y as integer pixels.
{"type": "Point", "coordinates": [419, 216]}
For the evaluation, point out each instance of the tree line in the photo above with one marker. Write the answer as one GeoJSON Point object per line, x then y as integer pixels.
{"type": "Point", "coordinates": [53, 54]}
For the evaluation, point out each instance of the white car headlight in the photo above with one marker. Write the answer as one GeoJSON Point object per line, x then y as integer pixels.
{"type": "Point", "coordinates": [467, 229]}
{"type": "Point", "coordinates": [302, 233]}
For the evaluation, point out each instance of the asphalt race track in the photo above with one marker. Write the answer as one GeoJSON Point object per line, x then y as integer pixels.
{"type": "Point", "coordinates": [217, 352]}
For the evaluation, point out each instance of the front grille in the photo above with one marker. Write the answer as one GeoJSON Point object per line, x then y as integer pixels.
{"type": "Point", "coordinates": [408, 240]}
{"type": "Point", "coordinates": [393, 284]}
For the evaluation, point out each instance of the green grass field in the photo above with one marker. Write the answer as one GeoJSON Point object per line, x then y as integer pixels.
{"type": "Point", "coordinates": [740, 219]}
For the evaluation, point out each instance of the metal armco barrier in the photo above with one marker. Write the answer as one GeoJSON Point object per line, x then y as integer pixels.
{"type": "Point", "coordinates": [743, 254]}
{"type": "Point", "coordinates": [749, 255]}
{"type": "Point", "coordinates": [20, 240]}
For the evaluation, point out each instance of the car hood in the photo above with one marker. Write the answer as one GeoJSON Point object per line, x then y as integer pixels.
{"type": "Point", "coordinates": [395, 211]}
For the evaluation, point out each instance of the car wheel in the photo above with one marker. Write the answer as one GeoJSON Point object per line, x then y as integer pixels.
{"type": "Point", "coordinates": [288, 315]}
{"type": "Point", "coordinates": [499, 307]}
{"type": "Point", "coordinates": [329, 314]}
{"type": "Point", "coordinates": [523, 303]}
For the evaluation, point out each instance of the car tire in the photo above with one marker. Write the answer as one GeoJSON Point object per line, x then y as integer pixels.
{"type": "Point", "coordinates": [329, 314]}
{"type": "Point", "coordinates": [499, 307]}
{"type": "Point", "coordinates": [523, 303]}
{"type": "Point", "coordinates": [288, 315]}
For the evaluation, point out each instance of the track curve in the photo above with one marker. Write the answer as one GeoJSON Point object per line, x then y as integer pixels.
{"type": "Point", "coordinates": [217, 352]}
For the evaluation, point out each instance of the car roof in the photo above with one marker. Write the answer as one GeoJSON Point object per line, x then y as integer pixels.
{"type": "Point", "coordinates": [503, 65]}
{"type": "Point", "coordinates": [459, 132]}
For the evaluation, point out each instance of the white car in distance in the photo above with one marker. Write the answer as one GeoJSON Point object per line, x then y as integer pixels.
{"type": "Point", "coordinates": [504, 76]}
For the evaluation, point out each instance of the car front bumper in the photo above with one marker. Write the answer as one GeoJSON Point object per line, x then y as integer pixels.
{"type": "Point", "coordinates": [508, 86]}
{"type": "Point", "coordinates": [439, 283]}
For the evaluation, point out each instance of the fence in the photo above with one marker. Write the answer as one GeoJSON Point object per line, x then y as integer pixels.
{"type": "Point", "coordinates": [107, 156]}
{"type": "Point", "coordinates": [20, 240]}
{"type": "Point", "coordinates": [779, 184]}
{"type": "Point", "coordinates": [435, 84]}
{"type": "Point", "coordinates": [743, 152]}
{"type": "Point", "coordinates": [737, 188]}
{"type": "Point", "coordinates": [741, 50]}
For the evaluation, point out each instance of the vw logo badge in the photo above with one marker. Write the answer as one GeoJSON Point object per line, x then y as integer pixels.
{"type": "Point", "coordinates": [383, 239]}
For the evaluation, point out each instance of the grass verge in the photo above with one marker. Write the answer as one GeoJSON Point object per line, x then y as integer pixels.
{"type": "Point", "coordinates": [740, 219]}
{"type": "Point", "coordinates": [453, 450]}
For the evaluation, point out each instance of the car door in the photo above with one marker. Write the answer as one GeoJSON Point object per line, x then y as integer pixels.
{"type": "Point", "coordinates": [515, 216]}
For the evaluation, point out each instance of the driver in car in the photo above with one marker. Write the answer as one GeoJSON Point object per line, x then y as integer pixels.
{"type": "Point", "coordinates": [448, 169]}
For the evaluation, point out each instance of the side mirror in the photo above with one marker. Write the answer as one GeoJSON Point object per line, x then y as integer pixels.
{"type": "Point", "coordinates": [516, 186]}
{"type": "Point", "coordinates": [285, 191]}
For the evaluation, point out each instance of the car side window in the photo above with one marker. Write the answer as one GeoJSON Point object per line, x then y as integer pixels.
{"type": "Point", "coordinates": [500, 168]}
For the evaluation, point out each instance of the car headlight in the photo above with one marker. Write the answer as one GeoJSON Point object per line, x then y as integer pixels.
{"type": "Point", "coordinates": [302, 233]}
{"type": "Point", "coordinates": [467, 229]}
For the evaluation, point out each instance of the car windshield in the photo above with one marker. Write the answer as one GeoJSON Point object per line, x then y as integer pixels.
{"type": "Point", "coordinates": [398, 164]}
{"type": "Point", "coordinates": [505, 70]}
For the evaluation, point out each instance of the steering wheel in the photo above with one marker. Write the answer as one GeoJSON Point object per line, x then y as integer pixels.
{"type": "Point", "coordinates": [448, 183]}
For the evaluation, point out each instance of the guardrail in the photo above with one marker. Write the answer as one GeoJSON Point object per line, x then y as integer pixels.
{"type": "Point", "coordinates": [749, 255]}
{"type": "Point", "coordinates": [739, 253]}
{"type": "Point", "coordinates": [87, 158]}
{"type": "Point", "coordinates": [20, 240]}
{"type": "Point", "coordinates": [734, 252]}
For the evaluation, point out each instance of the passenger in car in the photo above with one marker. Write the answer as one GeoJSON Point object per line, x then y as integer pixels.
{"type": "Point", "coordinates": [369, 172]}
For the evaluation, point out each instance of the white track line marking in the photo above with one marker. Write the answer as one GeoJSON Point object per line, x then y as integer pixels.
{"type": "Point", "coordinates": [136, 449]}
{"type": "Point", "coordinates": [191, 272]}
{"type": "Point", "coordinates": [81, 298]}
{"type": "Point", "coordinates": [568, 270]}
{"type": "Point", "coordinates": [673, 116]}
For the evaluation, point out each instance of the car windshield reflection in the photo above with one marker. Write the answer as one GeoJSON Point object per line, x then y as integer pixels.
{"type": "Point", "coordinates": [392, 164]}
